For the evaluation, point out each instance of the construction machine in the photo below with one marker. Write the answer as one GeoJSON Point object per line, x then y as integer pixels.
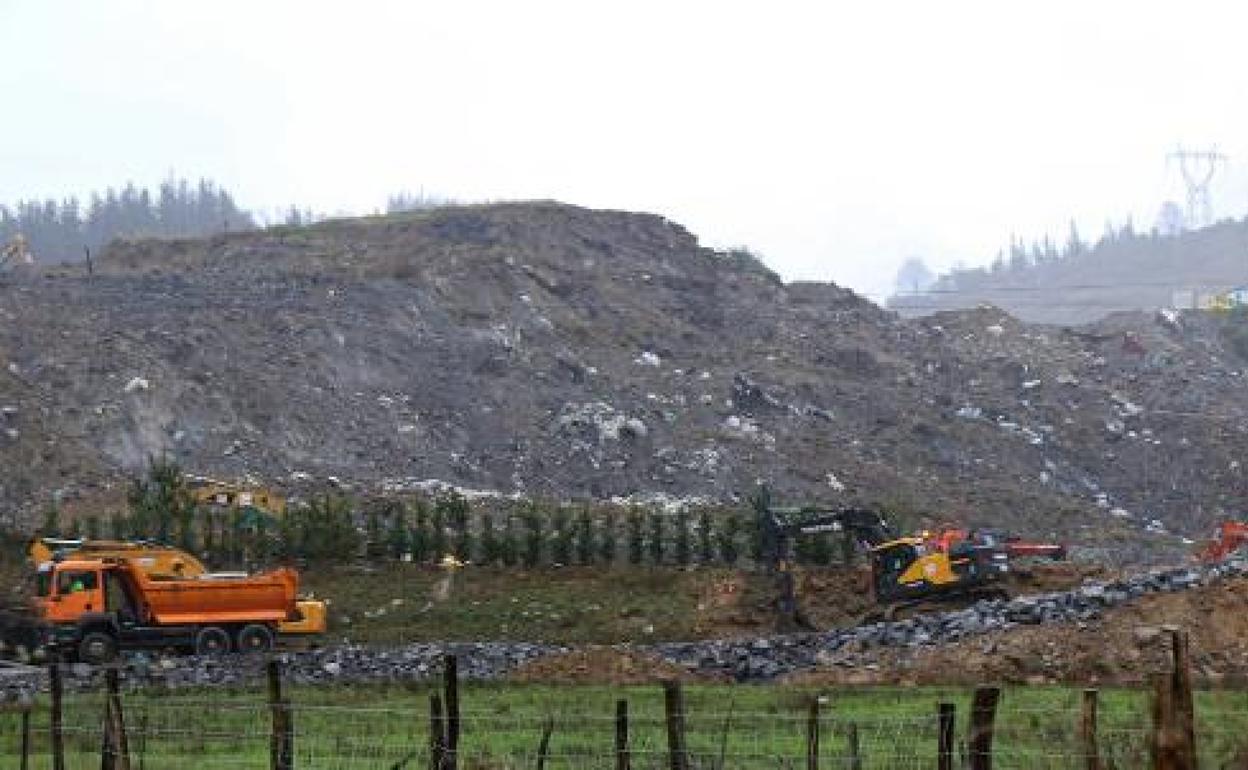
{"type": "Point", "coordinates": [1232, 535]}
{"type": "Point", "coordinates": [905, 571]}
{"type": "Point", "coordinates": [92, 608]}
{"type": "Point", "coordinates": [159, 564]}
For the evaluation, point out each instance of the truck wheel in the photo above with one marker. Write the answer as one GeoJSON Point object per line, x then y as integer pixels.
{"type": "Point", "coordinates": [212, 641]}
{"type": "Point", "coordinates": [255, 638]}
{"type": "Point", "coordinates": [96, 648]}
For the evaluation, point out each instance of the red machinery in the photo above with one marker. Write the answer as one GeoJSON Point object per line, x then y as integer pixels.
{"type": "Point", "coordinates": [1232, 535]}
{"type": "Point", "coordinates": [1014, 547]}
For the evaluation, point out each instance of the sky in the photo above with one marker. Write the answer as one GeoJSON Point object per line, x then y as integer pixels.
{"type": "Point", "coordinates": [834, 139]}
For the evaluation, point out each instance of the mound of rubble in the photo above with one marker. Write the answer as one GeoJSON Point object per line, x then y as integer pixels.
{"type": "Point", "coordinates": [551, 351]}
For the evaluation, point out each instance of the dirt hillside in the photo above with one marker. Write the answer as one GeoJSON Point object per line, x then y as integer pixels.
{"type": "Point", "coordinates": [548, 350]}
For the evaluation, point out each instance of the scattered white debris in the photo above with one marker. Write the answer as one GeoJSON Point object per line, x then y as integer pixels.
{"type": "Point", "coordinates": [1031, 384]}
{"type": "Point", "coordinates": [300, 476]}
{"type": "Point", "coordinates": [970, 413]}
{"type": "Point", "coordinates": [995, 330]}
{"type": "Point", "coordinates": [648, 359]}
{"type": "Point", "coordinates": [835, 483]}
{"type": "Point", "coordinates": [137, 383]}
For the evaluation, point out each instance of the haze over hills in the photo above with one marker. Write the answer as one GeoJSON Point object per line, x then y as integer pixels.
{"type": "Point", "coordinates": [1079, 283]}
{"type": "Point", "coordinates": [540, 349]}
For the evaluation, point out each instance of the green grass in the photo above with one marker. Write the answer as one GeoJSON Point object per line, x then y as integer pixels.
{"type": "Point", "coordinates": [400, 602]}
{"type": "Point", "coordinates": [371, 727]}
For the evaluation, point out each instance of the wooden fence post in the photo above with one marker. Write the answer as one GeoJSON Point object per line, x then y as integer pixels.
{"type": "Point", "coordinates": [852, 749]}
{"type": "Point", "coordinates": [450, 685]}
{"type": "Point", "coordinates": [543, 746]}
{"type": "Point", "coordinates": [281, 735]}
{"type": "Point", "coordinates": [1174, 722]}
{"type": "Point", "coordinates": [621, 735]}
{"type": "Point", "coordinates": [116, 743]}
{"type": "Point", "coordinates": [946, 716]}
{"type": "Point", "coordinates": [55, 726]}
{"type": "Point", "coordinates": [1087, 732]}
{"type": "Point", "coordinates": [437, 731]}
{"type": "Point", "coordinates": [983, 714]}
{"type": "Point", "coordinates": [812, 735]}
{"type": "Point", "coordinates": [25, 738]}
{"type": "Point", "coordinates": [674, 709]}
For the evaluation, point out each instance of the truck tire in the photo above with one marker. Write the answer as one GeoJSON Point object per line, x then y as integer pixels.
{"type": "Point", "coordinates": [254, 638]}
{"type": "Point", "coordinates": [97, 648]}
{"type": "Point", "coordinates": [212, 641]}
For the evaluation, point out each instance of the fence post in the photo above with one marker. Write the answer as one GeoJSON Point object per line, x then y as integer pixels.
{"type": "Point", "coordinates": [281, 736]}
{"type": "Point", "coordinates": [437, 732]}
{"type": "Point", "coordinates": [621, 735]}
{"type": "Point", "coordinates": [115, 741]}
{"type": "Point", "coordinates": [852, 749]}
{"type": "Point", "coordinates": [674, 709]}
{"type": "Point", "coordinates": [543, 746]}
{"type": "Point", "coordinates": [812, 735]}
{"type": "Point", "coordinates": [25, 738]}
{"type": "Point", "coordinates": [983, 714]}
{"type": "Point", "coordinates": [57, 736]}
{"type": "Point", "coordinates": [946, 715]}
{"type": "Point", "coordinates": [450, 755]}
{"type": "Point", "coordinates": [1174, 723]}
{"type": "Point", "coordinates": [1087, 732]}
{"type": "Point", "coordinates": [1184, 703]}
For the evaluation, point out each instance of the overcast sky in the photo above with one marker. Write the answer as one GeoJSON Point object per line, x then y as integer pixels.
{"type": "Point", "coordinates": [836, 139]}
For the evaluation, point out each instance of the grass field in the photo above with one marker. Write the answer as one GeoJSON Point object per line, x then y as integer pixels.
{"type": "Point", "coordinates": [749, 726]}
{"type": "Point", "coordinates": [396, 603]}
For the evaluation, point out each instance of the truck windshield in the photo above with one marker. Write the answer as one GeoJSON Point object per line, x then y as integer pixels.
{"type": "Point", "coordinates": [43, 583]}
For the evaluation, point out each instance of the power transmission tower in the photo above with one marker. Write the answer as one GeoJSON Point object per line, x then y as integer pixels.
{"type": "Point", "coordinates": [1197, 168]}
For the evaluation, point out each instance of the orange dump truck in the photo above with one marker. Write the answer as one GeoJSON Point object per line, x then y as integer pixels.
{"type": "Point", "coordinates": [94, 607]}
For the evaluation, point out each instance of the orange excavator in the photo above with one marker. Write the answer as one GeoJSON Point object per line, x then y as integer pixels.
{"type": "Point", "coordinates": [1232, 535]}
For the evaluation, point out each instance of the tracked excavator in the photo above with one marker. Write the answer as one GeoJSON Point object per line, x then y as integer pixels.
{"type": "Point", "coordinates": [907, 572]}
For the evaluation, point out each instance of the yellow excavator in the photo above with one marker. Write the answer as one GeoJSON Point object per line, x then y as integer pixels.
{"type": "Point", "coordinates": [906, 572]}
{"type": "Point", "coordinates": [163, 562]}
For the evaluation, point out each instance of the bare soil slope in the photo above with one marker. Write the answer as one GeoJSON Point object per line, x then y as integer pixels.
{"type": "Point", "coordinates": [543, 349]}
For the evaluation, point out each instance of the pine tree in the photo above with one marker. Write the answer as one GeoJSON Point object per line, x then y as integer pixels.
{"type": "Point", "coordinates": [655, 543]}
{"type": "Point", "coordinates": [561, 547]}
{"type": "Point", "coordinates": [509, 549]}
{"type": "Point", "coordinates": [728, 539]}
{"type": "Point", "coordinates": [421, 540]}
{"type": "Point", "coordinates": [533, 537]}
{"type": "Point", "coordinates": [490, 547]}
{"type": "Point", "coordinates": [51, 526]}
{"type": "Point", "coordinates": [706, 538]}
{"type": "Point", "coordinates": [636, 542]}
{"type": "Point", "coordinates": [684, 543]}
{"type": "Point", "coordinates": [374, 544]}
{"type": "Point", "coordinates": [437, 535]}
{"type": "Point", "coordinates": [606, 543]}
{"type": "Point", "coordinates": [397, 542]}
{"type": "Point", "coordinates": [585, 550]}
{"type": "Point", "coordinates": [117, 525]}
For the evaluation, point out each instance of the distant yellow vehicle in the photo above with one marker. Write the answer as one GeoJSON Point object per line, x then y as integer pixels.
{"type": "Point", "coordinates": [163, 562]}
{"type": "Point", "coordinates": [223, 494]}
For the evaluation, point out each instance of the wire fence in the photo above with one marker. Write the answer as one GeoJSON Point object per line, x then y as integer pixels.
{"type": "Point", "coordinates": [436, 727]}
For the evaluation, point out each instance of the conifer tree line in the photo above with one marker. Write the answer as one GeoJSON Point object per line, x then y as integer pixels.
{"type": "Point", "coordinates": [57, 231]}
{"type": "Point", "coordinates": [334, 528]}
